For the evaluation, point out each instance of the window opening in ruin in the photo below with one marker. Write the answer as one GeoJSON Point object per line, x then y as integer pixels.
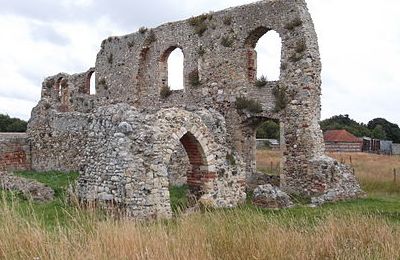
{"type": "Point", "coordinates": [263, 55]}
{"type": "Point", "coordinates": [92, 83]}
{"type": "Point", "coordinates": [268, 50]}
{"type": "Point", "coordinates": [57, 87]}
{"type": "Point", "coordinates": [188, 172]}
{"type": "Point", "coordinates": [172, 68]}
{"type": "Point", "coordinates": [63, 93]}
{"type": "Point", "coordinates": [268, 153]}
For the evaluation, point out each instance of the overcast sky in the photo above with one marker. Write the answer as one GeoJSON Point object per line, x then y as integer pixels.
{"type": "Point", "coordinates": [359, 44]}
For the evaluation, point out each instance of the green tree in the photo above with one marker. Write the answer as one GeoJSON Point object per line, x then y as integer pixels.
{"type": "Point", "coordinates": [268, 130]}
{"type": "Point", "coordinates": [392, 131]}
{"type": "Point", "coordinates": [345, 122]}
{"type": "Point", "coordinates": [379, 133]}
{"type": "Point", "coordinates": [8, 124]}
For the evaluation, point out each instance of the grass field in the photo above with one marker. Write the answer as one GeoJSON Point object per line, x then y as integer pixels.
{"type": "Point", "coordinates": [373, 171]}
{"type": "Point", "coordinates": [367, 228]}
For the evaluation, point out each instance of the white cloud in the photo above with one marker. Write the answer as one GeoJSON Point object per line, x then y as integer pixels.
{"type": "Point", "coordinates": [360, 57]}
{"type": "Point", "coordinates": [27, 60]}
{"type": "Point", "coordinates": [76, 3]}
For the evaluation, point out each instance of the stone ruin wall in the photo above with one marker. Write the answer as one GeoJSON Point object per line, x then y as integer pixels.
{"type": "Point", "coordinates": [122, 137]}
{"type": "Point", "coordinates": [14, 152]}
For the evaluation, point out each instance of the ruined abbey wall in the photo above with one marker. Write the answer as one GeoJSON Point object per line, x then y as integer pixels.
{"type": "Point", "coordinates": [121, 138]}
{"type": "Point", "coordinates": [14, 152]}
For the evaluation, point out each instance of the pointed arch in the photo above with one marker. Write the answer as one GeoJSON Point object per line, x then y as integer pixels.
{"type": "Point", "coordinates": [90, 83]}
{"type": "Point", "coordinates": [264, 50]}
{"type": "Point", "coordinates": [172, 76]}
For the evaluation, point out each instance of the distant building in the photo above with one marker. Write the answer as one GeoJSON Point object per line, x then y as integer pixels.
{"type": "Point", "coordinates": [377, 146]}
{"type": "Point", "coordinates": [396, 149]}
{"type": "Point", "coordinates": [272, 144]}
{"type": "Point", "coordinates": [342, 141]}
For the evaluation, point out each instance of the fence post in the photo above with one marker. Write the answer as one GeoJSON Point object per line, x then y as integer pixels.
{"type": "Point", "coordinates": [351, 161]}
{"type": "Point", "coordinates": [271, 166]}
{"type": "Point", "coordinates": [354, 172]}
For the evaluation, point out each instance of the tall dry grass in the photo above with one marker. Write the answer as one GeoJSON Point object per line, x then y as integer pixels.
{"type": "Point", "coordinates": [268, 161]}
{"type": "Point", "coordinates": [235, 234]}
{"type": "Point", "coordinates": [374, 172]}
{"type": "Point", "coordinates": [242, 233]}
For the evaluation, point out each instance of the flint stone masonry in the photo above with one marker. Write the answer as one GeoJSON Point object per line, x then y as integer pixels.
{"type": "Point", "coordinates": [14, 152]}
{"type": "Point", "coordinates": [178, 166]}
{"type": "Point", "coordinates": [122, 138]}
{"type": "Point", "coordinates": [267, 196]}
{"type": "Point", "coordinates": [261, 178]}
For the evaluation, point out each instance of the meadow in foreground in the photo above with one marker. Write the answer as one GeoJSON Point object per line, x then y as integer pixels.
{"type": "Point", "coordinates": [362, 229]}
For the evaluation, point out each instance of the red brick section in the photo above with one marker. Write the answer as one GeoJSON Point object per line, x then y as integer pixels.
{"type": "Point", "coordinates": [196, 177]}
{"type": "Point", "coordinates": [251, 62]}
{"type": "Point", "coordinates": [13, 152]}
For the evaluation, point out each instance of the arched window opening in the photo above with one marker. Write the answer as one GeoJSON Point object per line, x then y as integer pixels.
{"type": "Point", "coordinates": [268, 152]}
{"type": "Point", "coordinates": [92, 82]}
{"type": "Point", "coordinates": [64, 94]}
{"type": "Point", "coordinates": [264, 55]}
{"type": "Point", "coordinates": [172, 68]}
{"type": "Point", "coordinates": [188, 170]}
{"type": "Point", "coordinates": [268, 50]}
{"type": "Point", "coordinates": [57, 87]}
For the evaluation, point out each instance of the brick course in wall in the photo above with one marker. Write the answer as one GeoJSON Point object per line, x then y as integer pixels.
{"type": "Point", "coordinates": [14, 152]}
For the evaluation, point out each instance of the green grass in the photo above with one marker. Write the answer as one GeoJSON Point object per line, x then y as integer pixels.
{"type": "Point", "coordinates": [49, 214]}
{"type": "Point", "coordinates": [58, 181]}
{"type": "Point", "coordinates": [59, 211]}
{"type": "Point", "coordinates": [302, 214]}
{"type": "Point", "coordinates": [178, 197]}
{"type": "Point", "coordinates": [383, 187]}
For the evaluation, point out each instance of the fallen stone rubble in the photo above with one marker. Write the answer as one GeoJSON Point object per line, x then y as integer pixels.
{"type": "Point", "coordinates": [30, 189]}
{"type": "Point", "coordinates": [268, 196]}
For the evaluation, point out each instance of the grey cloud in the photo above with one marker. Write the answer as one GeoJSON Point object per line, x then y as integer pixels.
{"type": "Point", "coordinates": [43, 10]}
{"type": "Point", "coordinates": [31, 75]}
{"type": "Point", "coordinates": [47, 33]}
{"type": "Point", "coordinates": [19, 94]}
{"type": "Point", "coordinates": [124, 13]}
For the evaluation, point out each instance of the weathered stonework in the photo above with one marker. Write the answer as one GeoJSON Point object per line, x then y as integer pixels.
{"type": "Point", "coordinates": [30, 189]}
{"type": "Point", "coordinates": [121, 139]}
{"type": "Point", "coordinates": [267, 196]}
{"type": "Point", "coordinates": [14, 152]}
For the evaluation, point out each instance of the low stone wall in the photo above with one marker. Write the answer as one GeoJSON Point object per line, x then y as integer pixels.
{"type": "Point", "coordinates": [14, 152]}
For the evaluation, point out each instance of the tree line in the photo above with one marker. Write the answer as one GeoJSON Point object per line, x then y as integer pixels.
{"type": "Point", "coordinates": [378, 128]}
{"type": "Point", "coordinates": [9, 124]}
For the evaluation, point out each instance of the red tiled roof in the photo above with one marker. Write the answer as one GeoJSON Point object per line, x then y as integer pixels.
{"type": "Point", "coordinates": [340, 136]}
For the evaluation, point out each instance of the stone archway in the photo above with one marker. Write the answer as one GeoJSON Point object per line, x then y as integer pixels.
{"type": "Point", "coordinates": [198, 174]}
